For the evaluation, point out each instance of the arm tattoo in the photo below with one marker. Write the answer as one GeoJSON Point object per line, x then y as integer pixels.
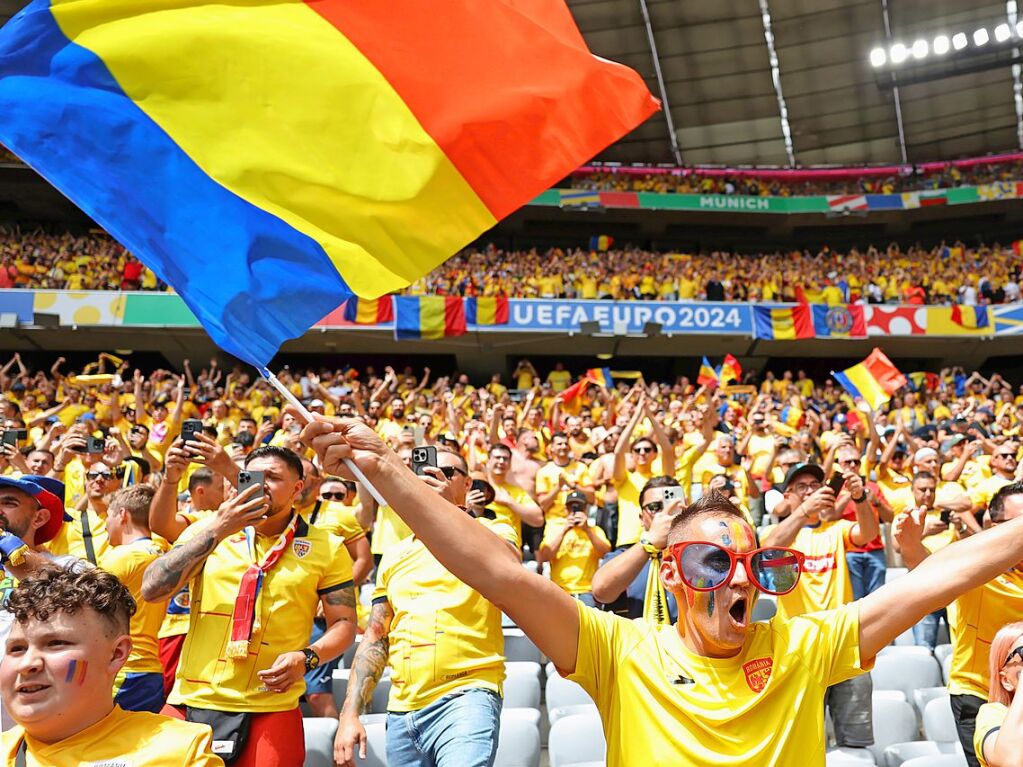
{"type": "Point", "coordinates": [170, 571]}
{"type": "Point", "coordinates": [370, 661]}
{"type": "Point", "coordinates": [341, 597]}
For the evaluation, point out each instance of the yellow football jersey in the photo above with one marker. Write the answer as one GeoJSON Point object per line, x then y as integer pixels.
{"type": "Point", "coordinates": [444, 635]}
{"type": "Point", "coordinates": [129, 563]}
{"type": "Point", "coordinates": [576, 560]}
{"type": "Point", "coordinates": [824, 583]}
{"type": "Point", "coordinates": [388, 530]}
{"type": "Point", "coordinates": [989, 720]}
{"type": "Point", "coordinates": [662, 705]}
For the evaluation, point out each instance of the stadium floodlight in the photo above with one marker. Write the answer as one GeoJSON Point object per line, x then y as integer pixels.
{"type": "Point", "coordinates": [980, 37]}
{"type": "Point", "coordinates": [1002, 33]}
{"type": "Point", "coordinates": [899, 53]}
{"type": "Point", "coordinates": [878, 57]}
{"type": "Point", "coordinates": [941, 45]}
{"type": "Point", "coordinates": [919, 49]}
{"type": "Point", "coordinates": [959, 41]}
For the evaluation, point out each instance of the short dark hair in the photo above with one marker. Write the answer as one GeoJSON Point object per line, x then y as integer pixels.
{"type": "Point", "coordinates": [201, 477]}
{"type": "Point", "coordinates": [290, 457]}
{"type": "Point", "coordinates": [559, 434]}
{"type": "Point", "coordinates": [924, 475]}
{"type": "Point", "coordinates": [500, 446]}
{"type": "Point", "coordinates": [654, 482]}
{"type": "Point", "coordinates": [136, 499]}
{"type": "Point", "coordinates": [996, 507]}
{"type": "Point", "coordinates": [711, 503]}
{"type": "Point", "coordinates": [52, 589]}
{"type": "Point", "coordinates": [456, 454]}
{"type": "Point", "coordinates": [640, 440]}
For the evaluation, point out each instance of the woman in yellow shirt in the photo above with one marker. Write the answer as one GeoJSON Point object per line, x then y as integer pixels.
{"type": "Point", "coordinates": [998, 737]}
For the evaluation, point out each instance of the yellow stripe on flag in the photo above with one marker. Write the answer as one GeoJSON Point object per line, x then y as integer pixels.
{"type": "Point", "coordinates": [431, 317]}
{"type": "Point", "coordinates": [486, 311]}
{"type": "Point", "coordinates": [783, 324]}
{"type": "Point", "coordinates": [349, 166]}
{"type": "Point", "coordinates": [940, 322]}
{"type": "Point", "coordinates": [366, 312]}
{"type": "Point", "coordinates": [869, 388]}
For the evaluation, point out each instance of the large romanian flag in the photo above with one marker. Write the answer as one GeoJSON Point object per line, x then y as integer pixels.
{"type": "Point", "coordinates": [874, 380]}
{"type": "Point", "coordinates": [268, 158]}
{"type": "Point", "coordinates": [487, 310]}
{"type": "Point", "coordinates": [428, 317]}
{"type": "Point", "coordinates": [370, 311]}
{"type": "Point", "coordinates": [783, 324]}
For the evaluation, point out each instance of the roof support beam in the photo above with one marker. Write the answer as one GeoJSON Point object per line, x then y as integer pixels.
{"type": "Point", "coordinates": [783, 111]}
{"type": "Point", "coordinates": [676, 152]}
{"type": "Point", "coordinates": [895, 84]}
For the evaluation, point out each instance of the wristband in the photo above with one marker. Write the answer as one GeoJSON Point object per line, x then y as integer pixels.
{"type": "Point", "coordinates": [861, 499]}
{"type": "Point", "coordinates": [12, 550]}
{"type": "Point", "coordinates": [648, 546]}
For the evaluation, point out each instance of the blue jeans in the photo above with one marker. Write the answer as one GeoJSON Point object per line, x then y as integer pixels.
{"type": "Point", "coordinates": [925, 632]}
{"type": "Point", "coordinates": [587, 599]}
{"type": "Point", "coordinates": [867, 570]}
{"type": "Point", "coordinates": [459, 730]}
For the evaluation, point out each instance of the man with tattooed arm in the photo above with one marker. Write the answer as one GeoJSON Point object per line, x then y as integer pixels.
{"type": "Point", "coordinates": [444, 643]}
{"type": "Point", "coordinates": [256, 572]}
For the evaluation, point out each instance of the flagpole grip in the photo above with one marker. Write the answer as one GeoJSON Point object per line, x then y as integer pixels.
{"type": "Point", "coordinates": [297, 404]}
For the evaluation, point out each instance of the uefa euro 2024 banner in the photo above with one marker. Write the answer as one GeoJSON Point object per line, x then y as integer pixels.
{"type": "Point", "coordinates": [627, 317]}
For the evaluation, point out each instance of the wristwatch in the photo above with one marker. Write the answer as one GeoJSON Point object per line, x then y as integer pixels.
{"type": "Point", "coordinates": [312, 660]}
{"type": "Point", "coordinates": [648, 545]}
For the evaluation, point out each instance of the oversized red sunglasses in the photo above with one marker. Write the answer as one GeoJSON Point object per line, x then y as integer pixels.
{"type": "Point", "coordinates": [706, 566]}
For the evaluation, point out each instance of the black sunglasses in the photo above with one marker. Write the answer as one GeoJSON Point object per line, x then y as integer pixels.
{"type": "Point", "coordinates": [333, 496]}
{"type": "Point", "coordinates": [451, 471]}
{"type": "Point", "coordinates": [1016, 652]}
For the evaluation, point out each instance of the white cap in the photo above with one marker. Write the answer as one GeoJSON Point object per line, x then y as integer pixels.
{"type": "Point", "coordinates": [924, 453]}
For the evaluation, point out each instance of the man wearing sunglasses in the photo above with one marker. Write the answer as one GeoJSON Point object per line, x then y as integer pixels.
{"type": "Point", "coordinates": [85, 534]}
{"type": "Point", "coordinates": [976, 616]}
{"type": "Point", "coordinates": [443, 642]}
{"type": "Point", "coordinates": [715, 689]}
{"type": "Point", "coordinates": [817, 530]}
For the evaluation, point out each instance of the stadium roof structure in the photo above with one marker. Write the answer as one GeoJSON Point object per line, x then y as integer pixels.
{"type": "Point", "coordinates": [727, 80]}
{"type": "Point", "coordinates": [723, 106]}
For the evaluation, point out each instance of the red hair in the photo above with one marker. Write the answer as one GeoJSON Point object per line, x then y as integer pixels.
{"type": "Point", "coordinates": [1006, 637]}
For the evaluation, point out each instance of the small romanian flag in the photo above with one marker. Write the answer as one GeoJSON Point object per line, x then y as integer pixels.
{"type": "Point", "coordinates": [428, 317]}
{"type": "Point", "coordinates": [874, 380]}
{"type": "Point", "coordinates": [601, 242]}
{"type": "Point", "coordinates": [600, 377]}
{"type": "Point", "coordinates": [783, 324]}
{"type": "Point", "coordinates": [370, 311]}
{"type": "Point", "coordinates": [730, 370]}
{"type": "Point", "coordinates": [707, 376]}
{"type": "Point", "coordinates": [972, 317]}
{"type": "Point", "coordinates": [486, 310]}
{"type": "Point", "coordinates": [269, 160]}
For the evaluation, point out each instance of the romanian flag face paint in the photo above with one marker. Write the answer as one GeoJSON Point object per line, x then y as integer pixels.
{"type": "Point", "coordinates": [76, 670]}
{"type": "Point", "coordinates": [370, 311]}
{"type": "Point", "coordinates": [486, 311]}
{"type": "Point", "coordinates": [783, 324]}
{"type": "Point", "coordinates": [428, 317]}
{"type": "Point", "coordinates": [270, 159]}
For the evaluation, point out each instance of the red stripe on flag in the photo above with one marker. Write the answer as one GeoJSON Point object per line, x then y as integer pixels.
{"type": "Point", "coordinates": [802, 321]}
{"type": "Point", "coordinates": [501, 310]}
{"type": "Point", "coordinates": [619, 199]}
{"type": "Point", "coordinates": [385, 309]}
{"type": "Point", "coordinates": [454, 316]}
{"type": "Point", "coordinates": [509, 91]}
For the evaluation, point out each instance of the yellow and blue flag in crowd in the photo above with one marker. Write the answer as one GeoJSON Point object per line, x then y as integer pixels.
{"type": "Point", "coordinates": [270, 159]}
{"type": "Point", "coordinates": [874, 380]}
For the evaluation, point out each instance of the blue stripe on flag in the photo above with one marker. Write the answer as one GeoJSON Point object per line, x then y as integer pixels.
{"type": "Point", "coordinates": [407, 322]}
{"type": "Point", "coordinates": [252, 280]}
{"type": "Point", "coordinates": [884, 202]}
{"type": "Point", "coordinates": [845, 383]}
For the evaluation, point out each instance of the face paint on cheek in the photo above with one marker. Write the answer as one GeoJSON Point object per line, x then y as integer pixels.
{"type": "Point", "coordinates": [710, 604]}
{"type": "Point", "coordinates": [76, 670]}
{"type": "Point", "coordinates": [741, 534]}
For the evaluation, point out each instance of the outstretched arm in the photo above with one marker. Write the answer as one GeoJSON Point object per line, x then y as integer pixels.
{"type": "Point", "coordinates": [468, 550]}
{"type": "Point", "coordinates": [936, 582]}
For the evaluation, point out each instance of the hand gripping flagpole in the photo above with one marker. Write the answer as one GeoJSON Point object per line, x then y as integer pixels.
{"type": "Point", "coordinates": [294, 402]}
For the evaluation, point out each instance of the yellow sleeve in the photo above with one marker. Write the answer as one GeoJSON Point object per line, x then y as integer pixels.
{"type": "Point", "coordinates": [119, 562]}
{"type": "Point", "coordinates": [501, 530]}
{"type": "Point", "coordinates": [339, 571]}
{"type": "Point", "coordinates": [828, 643]}
{"type": "Point", "coordinates": [543, 482]}
{"type": "Point", "coordinates": [348, 526]}
{"type": "Point", "coordinates": [380, 587]}
{"type": "Point", "coordinates": [989, 721]}
{"type": "Point", "coordinates": [604, 638]}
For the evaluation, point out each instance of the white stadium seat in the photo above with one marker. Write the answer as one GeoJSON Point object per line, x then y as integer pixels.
{"type": "Point", "coordinates": [518, 647]}
{"type": "Point", "coordinates": [376, 746]}
{"type": "Point", "coordinates": [765, 608]}
{"type": "Point", "coordinates": [522, 691]}
{"type": "Point", "coordinates": [319, 741]}
{"type": "Point", "coordinates": [906, 671]}
{"type": "Point", "coordinates": [554, 714]}
{"type": "Point", "coordinates": [939, 722]}
{"type": "Point", "coordinates": [518, 744]}
{"type": "Point", "coordinates": [896, 755]}
{"type": "Point", "coordinates": [848, 757]}
{"type": "Point", "coordinates": [380, 694]}
{"type": "Point", "coordinates": [576, 740]}
{"type": "Point", "coordinates": [898, 650]}
{"type": "Point", "coordinates": [894, 722]}
{"type": "Point", "coordinates": [946, 667]}
{"type": "Point", "coordinates": [942, 651]}
{"type": "Point", "coordinates": [562, 692]}
{"type": "Point", "coordinates": [924, 695]}
{"type": "Point", "coordinates": [945, 760]}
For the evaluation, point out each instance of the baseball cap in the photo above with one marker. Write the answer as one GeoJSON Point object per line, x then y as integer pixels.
{"type": "Point", "coordinates": [924, 453]}
{"type": "Point", "coordinates": [316, 403]}
{"type": "Point", "coordinates": [804, 468]}
{"type": "Point", "coordinates": [49, 492]}
{"type": "Point", "coordinates": [574, 498]}
{"type": "Point", "coordinates": [951, 442]}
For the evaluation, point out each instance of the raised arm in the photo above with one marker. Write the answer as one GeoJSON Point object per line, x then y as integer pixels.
{"type": "Point", "coordinates": [663, 442]}
{"type": "Point", "coordinates": [936, 582]}
{"type": "Point", "coordinates": [468, 550]}
{"type": "Point", "coordinates": [170, 571]}
{"type": "Point", "coordinates": [622, 445]}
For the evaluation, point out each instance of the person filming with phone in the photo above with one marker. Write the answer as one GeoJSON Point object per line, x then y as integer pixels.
{"type": "Point", "coordinates": [574, 548]}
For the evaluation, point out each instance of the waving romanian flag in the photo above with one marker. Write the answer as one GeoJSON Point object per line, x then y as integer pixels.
{"type": "Point", "coordinates": [270, 159]}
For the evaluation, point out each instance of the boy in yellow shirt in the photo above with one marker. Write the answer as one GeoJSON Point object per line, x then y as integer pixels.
{"type": "Point", "coordinates": [69, 640]}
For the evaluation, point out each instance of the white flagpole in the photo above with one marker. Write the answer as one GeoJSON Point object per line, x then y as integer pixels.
{"type": "Point", "coordinates": [294, 402]}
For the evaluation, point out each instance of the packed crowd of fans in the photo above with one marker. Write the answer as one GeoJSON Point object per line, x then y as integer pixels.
{"type": "Point", "coordinates": [948, 273]}
{"type": "Point", "coordinates": [692, 181]}
{"type": "Point", "coordinates": [197, 554]}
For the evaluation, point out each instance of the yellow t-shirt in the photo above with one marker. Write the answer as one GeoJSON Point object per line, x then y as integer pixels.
{"type": "Point", "coordinates": [576, 560]}
{"type": "Point", "coordinates": [444, 635]}
{"type": "Point", "coordinates": [559, 379]}
{"type": "Point", "coordinates": [506, 515]}
{"type": "Point", "coordinates": [336, 518]}
{"type": "Point", "coordinates": [135, 738]}
{"type": "Point", "coordinates": [824, 583]}
{"type": "Point", "coordinates": [314, 564]}
{"type": "Point", "coordinates": [974, 619]}
{"type": "Point", "coordinates": [129, 563]}
{"type": "Point", "coordinates": [548, 477]}
{"type": "Point", "coordinates": [388, 530]}
{"type": "Point", "coordinates": [983, 491]}
{"type": "Point", "coordinates": [630, 526]}
{"type": "Point", "coordinates": [78, 527]}
{"type": "Point", "coordinates": [989, 719]}
{"type": "Point", "coordinates": [661, 704]}
{"type": "Point", "coordinates": [70, 414]}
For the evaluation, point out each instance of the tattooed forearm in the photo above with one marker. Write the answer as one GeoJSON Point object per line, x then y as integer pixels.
{"type": "Point", "coordinates": [341, 597]}
{"type": "Point", "coordinates": [170, 571]}
{"type": "Point", "coordinates": [370, 661]}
